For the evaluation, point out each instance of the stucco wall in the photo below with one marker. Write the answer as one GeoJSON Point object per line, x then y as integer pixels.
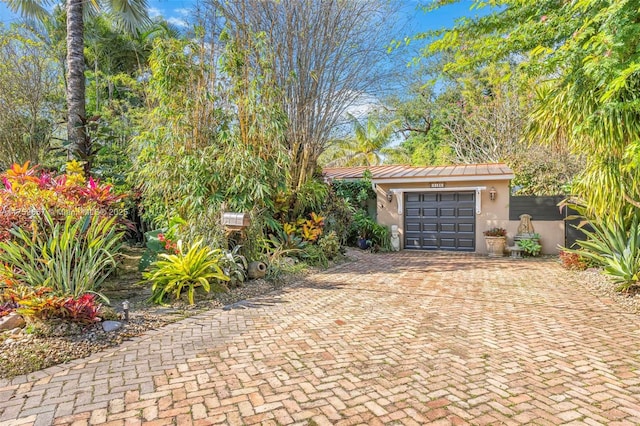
{"type": "Point", "coordinates": [551, 234]}
{"type": "Point", "coordinates": [493, 213]}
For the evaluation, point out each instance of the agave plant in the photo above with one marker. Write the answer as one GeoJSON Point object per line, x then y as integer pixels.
{"type": "Point", "coordinates": [616, 246]}
{"type": "Point", "coordinates": [186, 270]}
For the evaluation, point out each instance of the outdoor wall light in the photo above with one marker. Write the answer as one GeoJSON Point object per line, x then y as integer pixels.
{"type": "Point", "coordinates": [389, 197]}
{"type": "Point", "coordinates": [492, 193]}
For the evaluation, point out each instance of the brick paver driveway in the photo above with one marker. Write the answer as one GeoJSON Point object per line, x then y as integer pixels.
{"type": "Point", "coordinates": [406, 338]}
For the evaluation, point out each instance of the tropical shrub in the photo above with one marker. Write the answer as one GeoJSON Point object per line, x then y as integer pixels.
{"type": "Point", "coordinates": [311, 196]}
{"type": "Point", "coordinates": [615, 245]}
{"type": "Point", "coordinates": [312, 227]}
{"type": "Point", "coordinates": [307, 229]}
{"type": "Point", "coordinates": [330, 245]}
{"type": "Point", "coordinates": [160, 241]}
{"type": "Point", "coordinates": [381, 237]}
{"type": "Point", "coordinates": [198, 154]}
{"type": "Point", "coordinates": [339, 217]}
{"type": "Point", "coordinates": [366, 228]}
{"type": "Point", "coordinates": [43, 304]}
{"type": "Point", "coordinates": [72, 258]}
{"type": "Point", "coordinates": [234, 265]}
{"type": "Point", "coordinates": [27, 191]}
{"type": "Point", "coordinates": [314, 255]}
{"type": "Point", "coordinates": [362, 225]}
{"type": "Point", "coordinates": [573, 261]}
{"type": "Point", "coordinates": [355, 192]}
{"type": "Point", "coordinates": [186, 270]}
{"type": "Point", "coordinates": [7, 307]}
{"type": "Point", "coordinates": [83, 309]}
{"type": "Point", "coordinates": [283, 244]}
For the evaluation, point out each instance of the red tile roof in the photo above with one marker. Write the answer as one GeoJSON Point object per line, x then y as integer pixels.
{"type": "Point", "coordinates": [496, 171]}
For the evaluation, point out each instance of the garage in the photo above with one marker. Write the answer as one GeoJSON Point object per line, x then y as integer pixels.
{"type": "Point", "coordinates": [440, 221]}
{"type": "Point", "coordinates": [437, 207]}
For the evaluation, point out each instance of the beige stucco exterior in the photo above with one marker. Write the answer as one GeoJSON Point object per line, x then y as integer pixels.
{"type": "Point", "coordinates": [492, 213]}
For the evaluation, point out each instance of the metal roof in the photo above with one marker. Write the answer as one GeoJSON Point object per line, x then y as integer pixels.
{"type": "Point", "coordinates": [400, 173]}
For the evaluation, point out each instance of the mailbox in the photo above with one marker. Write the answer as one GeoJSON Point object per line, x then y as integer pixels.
{"type": "Point", "coordinates": [235, 221]}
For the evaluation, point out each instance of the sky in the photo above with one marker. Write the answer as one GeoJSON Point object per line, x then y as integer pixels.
{"type": "Point", "coordinates": [416, 21]}
{"type": "Point", "coordinates": [177, 12]}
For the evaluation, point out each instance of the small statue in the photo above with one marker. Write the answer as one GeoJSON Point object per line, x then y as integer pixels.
{"type": "Point", "coordinates": [525, 227]}
{"type": "Point", "coordinates": [395, 238]}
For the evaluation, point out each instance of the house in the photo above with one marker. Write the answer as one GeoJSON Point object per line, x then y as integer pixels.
{"type": "Point", "coordinates": [447, 207]}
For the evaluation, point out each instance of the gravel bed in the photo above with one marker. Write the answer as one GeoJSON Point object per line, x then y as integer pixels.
{"type": "Point", "coordinates": [22, 352]}
{"type": "Point", "coordinates": [600, 285]}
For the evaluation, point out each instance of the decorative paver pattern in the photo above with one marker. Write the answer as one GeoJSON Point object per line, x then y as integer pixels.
{"type": "Point", "coordinates": [406, 338]}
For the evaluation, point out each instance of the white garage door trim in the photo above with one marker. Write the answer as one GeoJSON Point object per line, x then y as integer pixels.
{"type": "Point", "coordinates": [399, 193]}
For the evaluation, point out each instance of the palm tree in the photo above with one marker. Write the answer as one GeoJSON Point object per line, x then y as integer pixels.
{"type": "Point", "coordinates": [128, 14]}
{"type": "Point", "coordinates": [365, 146]}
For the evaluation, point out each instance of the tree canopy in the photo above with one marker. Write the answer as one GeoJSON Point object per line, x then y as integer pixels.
{"type": "Point", "coordinates": [583, 58]}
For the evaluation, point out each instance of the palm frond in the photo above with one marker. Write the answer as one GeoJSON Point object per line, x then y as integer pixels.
{"type": "Point", "coordinates": [30, 8]}
{"type": "Point", "coordinates": [130, 15]}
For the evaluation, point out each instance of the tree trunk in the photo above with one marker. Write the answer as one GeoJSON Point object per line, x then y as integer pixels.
{"type": "Point", "coordinates": [76, 114]}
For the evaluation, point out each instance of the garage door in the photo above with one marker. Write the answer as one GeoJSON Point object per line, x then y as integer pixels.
{"type": "Point", "coordinates": [440, 221]}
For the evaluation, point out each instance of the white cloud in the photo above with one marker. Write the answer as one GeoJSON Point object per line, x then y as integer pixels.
{"type": "Point", "coordinates": [364, 105]}
{"type": "Point", "coordinates": [182, 11]}
{"type": "Point", "coordinates": [154, 12]}
{"type": "Point", "coordinates": [178, 22]}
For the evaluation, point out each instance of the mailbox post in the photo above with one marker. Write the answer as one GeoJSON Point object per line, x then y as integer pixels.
{"type": "Point", "coordinates": [235, 221]}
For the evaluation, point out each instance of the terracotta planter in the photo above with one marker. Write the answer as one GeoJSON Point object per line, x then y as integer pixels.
{"type": "Point", "coordinates": [496, 246]}
{"type": "Point", "coordinates": [256, 270]}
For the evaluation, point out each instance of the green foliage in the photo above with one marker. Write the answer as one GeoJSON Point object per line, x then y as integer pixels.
{"type": "Point", "coordinates": [314, 255]}
{"type": "Point", "coordinates": [73, 257]}
{"type": "Point", "coordinates": [381, 237]}
{"type": "Point", "coordinates": [197, 267]}
{"type": "Point", "coordinates": [282, 266]}
{"type": "Point", "coordinates": [367, 228]}
{"type": "Point", "coordinates": [615, 245]}
{"type": "Point", "coordinates": [420, 114]}
{"type": "Point", "coordinates": [540, 173]}
{"type": "Point", "coordinates": [28, 96]}
{"type": "Point", "coordinates": [282, 244]}
{"type": "Point", "coordinates": [330, 245]}
{"type": "Point", "coordinates": [363, 224]}
{"type": "Point", "coordinates": [234, 265]}
{"type": "Point", "coordinates": [339, 216]}
{"type": "Point", "coordinates": [29, 190]}
{"type": "Point", "coordinates": [208, 147]}
{"type": "Point", "coordinates": [311, 196]}
{"type": "Point", "coordinates": [582, 58]}
{"type": "Point", "coordinates": [356, 192]}
{"type": "Point", "coordinates": [364, 147]}
{"type": "Point", "coordinates": [530, 246]}
{"type": "Point", "coordinates": [160, 241]}
{"type": "Point", "coordinates": [308, 229]}
{"type": "Point", "coordinates": [153, 247]}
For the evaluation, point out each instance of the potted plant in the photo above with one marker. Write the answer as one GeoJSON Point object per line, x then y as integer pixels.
{"type": "Point", "coordinates": [496, 240]}
{"type": "Point", "coordinates": [530, 244]}
{"type": "Point", "coordinates": [364, 227]}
